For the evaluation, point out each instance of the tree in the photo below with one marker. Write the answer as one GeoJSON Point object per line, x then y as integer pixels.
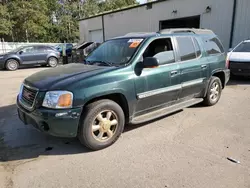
{"type": "Point", "coordinates": [5, 22]}
{"type": "Point", "coordinates": [30, 19]}
{"type": "Point", "coordinates": [50, 20]}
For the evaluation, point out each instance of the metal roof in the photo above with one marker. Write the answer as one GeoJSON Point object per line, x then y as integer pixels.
{"type": "Point", "coordinates": [123, 8]}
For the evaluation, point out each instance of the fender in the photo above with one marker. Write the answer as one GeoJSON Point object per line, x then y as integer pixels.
{"type": "Point", "coordinates": [14, 57]}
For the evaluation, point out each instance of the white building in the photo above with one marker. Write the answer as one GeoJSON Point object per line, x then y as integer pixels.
{"type": "Point", "coordinates": [229, 19]}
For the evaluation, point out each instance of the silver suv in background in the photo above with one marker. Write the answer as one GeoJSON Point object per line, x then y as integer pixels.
{"type": "Point", "coordinates": [239, 59]}
{"type": "Point", "coordinates": [30, 55]}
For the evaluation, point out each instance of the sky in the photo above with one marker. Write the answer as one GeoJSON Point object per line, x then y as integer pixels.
{"type": "Point", "coordinates": [142, 1]}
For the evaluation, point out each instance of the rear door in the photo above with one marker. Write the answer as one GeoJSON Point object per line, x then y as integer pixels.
{"type": "Point", "coordinates": [159, 86]}
{"type": "Point", "coordinates": [193, 67]}
{"type": "Point", "coordinates": [41, 53]}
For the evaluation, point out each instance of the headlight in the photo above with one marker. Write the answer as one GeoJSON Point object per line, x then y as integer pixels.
{"type": "Point", "coordinates": [20, 92]}
{"type": "Point", "coordinates": [58, 99]}
{"type": "Point", "coordinates": [1, 57]}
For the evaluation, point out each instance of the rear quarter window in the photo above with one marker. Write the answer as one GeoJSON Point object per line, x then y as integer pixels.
{"type": "Point", "coordinates": [213, 46]}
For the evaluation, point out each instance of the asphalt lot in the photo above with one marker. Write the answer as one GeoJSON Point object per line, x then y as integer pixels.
{"type": "Point", "coordinates": [185, 149]}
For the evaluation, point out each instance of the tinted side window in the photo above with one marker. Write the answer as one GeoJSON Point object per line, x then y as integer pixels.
{"type": "Point", "coordinates": [186, 48]}
{"type": "Point", "coordinates": [197, 47]}
{"type": "Point", "coordinates": [213, 46]}
{"type": "Point", "coordinates": [40, 49]}
{"type": "Point", "coordinates": [29, 49]}
{"type": "Point", "coordinates": [162, 49]}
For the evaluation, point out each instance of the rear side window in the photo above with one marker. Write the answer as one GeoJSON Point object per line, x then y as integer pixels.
{"type": "Point", "coordinates": [197, 47]}
{"type": "Point", "coordinates": [186, 48]}
{"type": "Point", "coordinates": [213, 46]}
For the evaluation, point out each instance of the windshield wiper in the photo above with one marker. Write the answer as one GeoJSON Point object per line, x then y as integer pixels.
{"type": "Point", "coordinates": [101, 62]}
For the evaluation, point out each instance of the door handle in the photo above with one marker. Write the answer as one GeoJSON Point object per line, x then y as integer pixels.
{"type": "Point", "coordinates": [173, 73]}
{"type": "Point", "coordinates": [203, 66]}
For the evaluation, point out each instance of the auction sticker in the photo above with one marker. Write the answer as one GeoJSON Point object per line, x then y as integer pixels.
{"type": "Point", "coordinates": [134, 42]}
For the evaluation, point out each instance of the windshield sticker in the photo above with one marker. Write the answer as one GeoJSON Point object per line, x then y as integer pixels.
{"type": "Point", "coordinates": [134, 44]}
{"type": "Point", "coordinates": [135, 40]}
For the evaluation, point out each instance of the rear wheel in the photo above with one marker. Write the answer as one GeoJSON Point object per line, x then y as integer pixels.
{"type": "Point", "coordinates": [12, 64]}
{"type": "Point", "coordinates": [52, 62]}
{"type": "Point", "coordinates": [102, 124]}
{"type": "Point", "coordinates": [213, 92]}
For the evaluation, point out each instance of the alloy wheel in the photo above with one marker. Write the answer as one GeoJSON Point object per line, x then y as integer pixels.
{"type": "Point", "coordinates": [214, 91]}
{"type": "Point", "coordinates": [104, 125]}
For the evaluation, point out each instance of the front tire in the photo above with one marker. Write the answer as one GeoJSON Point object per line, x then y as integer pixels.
{"type": "Point", "coordinates": [103, 122]}
{"type": "Point", "coordinates": [213, 92]}
{"type": "Point", "coordinates": [12, 64]}
{"type": "Point", "coordinates": [53, 62]}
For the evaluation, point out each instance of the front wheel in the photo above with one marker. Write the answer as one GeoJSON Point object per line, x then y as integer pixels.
{"type": "Point", "coordinates": [12, 65]}
{"type": "Point", "coordinates": [52, 62]}
{"type": "Point", "coordinates": [213, 92]}
{"type": "Point", "coordinates": [102, 124]}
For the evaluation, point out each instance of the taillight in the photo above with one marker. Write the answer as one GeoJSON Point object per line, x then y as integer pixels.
{"type": "Point", "coordinates": [227, 63]}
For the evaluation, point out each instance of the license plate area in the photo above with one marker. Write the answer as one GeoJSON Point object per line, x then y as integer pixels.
{"type": "Point", "coordinates": [22, 117]}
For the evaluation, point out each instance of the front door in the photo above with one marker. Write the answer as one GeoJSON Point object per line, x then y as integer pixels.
{"type": "Point", "coordinates": [27, 55]}
{"type": "Point", "coordinates": [192, 67]}
{"type": "Point", "coordinates": [158, 87]}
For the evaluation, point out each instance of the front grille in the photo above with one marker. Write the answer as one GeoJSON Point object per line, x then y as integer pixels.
{"type": "Point", "coordinates": [239, 65]}
{"type": "Point", "coordinates": [28, 97]}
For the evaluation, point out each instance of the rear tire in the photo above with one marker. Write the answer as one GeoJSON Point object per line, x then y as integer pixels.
{"type": "Point", "coordinates": [12, 64]}
{"type": "Point", "coordinates": [213, 92]}
{"type": "Point", "coordinates": [53, 62]}
{"type": "Point", "coordinates": [103, 122]}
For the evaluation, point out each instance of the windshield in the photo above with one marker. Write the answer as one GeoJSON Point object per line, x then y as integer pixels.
{"type": "Point", "coordinates": [244, 47]}
{"type": "Point", "coordinates": [114, 52]}
{"type": "Point", "coordinates": [17, 49]}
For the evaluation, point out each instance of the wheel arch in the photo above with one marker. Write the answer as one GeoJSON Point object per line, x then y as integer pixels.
{"type": "Point", "coordinates": [50, 57]}
{"type": "Point", "coordinates": [15, 58]}
{"type": "Point", "coordinates": [119, 98]}
{"type": "Point", "coordinates": [221, 75]}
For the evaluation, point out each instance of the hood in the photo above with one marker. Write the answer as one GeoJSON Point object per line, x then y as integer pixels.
{"type": "Point", "coordinates": [239, 56]}
{"type": "Point", "coordinates": [62, 76]}
{"type": "Point", "coordinates": [8, 53]}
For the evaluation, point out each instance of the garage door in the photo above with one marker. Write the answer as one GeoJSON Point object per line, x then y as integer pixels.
{"type": "Point", "coordinates": [189, 22]}
{"type": "Point", "coordinates": [96, 35]}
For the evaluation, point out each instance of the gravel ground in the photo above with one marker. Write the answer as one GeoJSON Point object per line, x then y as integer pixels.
{"type": "Point", "coordinates": [185, 149]}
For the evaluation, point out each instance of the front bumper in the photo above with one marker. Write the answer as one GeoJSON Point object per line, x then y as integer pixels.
{"type": "Point", "coordinates": [240, 72]}
{"type": "Point", "coordinates": [2, 63]}
{"type": "Point", "coordinates": [240, 68]}
{"type": "Point", "coordinates": [60, 123]}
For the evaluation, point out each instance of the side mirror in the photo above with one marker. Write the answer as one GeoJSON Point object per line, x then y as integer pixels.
{"type": "Point", "coordinates": [20, 52]}
{"type": "Point", "coordinates": [150, 62]}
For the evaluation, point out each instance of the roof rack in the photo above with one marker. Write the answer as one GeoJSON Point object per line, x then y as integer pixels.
{"type": "Point", "coordinates": [139, 33]}
{"type": "Point", "coordinates": [186, 30]}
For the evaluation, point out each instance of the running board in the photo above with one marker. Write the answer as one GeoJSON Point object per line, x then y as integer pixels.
{"type": "Point", "coordinates": [165, 111]}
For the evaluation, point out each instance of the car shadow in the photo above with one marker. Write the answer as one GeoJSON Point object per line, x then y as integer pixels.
{"type": "Point", "coordinates": [239, 80]}
{"type": "Point", "coordinates": [26, 67]}
{"type": "Point", "coordinates": [131, 127]}
{"type": "Point", "coordinates": [21, 142]}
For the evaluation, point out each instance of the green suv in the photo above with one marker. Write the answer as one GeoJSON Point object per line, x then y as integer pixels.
{"type": "Point", "coordinates": [130, 79]}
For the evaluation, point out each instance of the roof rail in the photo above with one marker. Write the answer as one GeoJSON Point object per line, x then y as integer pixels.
{"type": "Point", "coordinates": [139, 33]}
{"type": "Point", "coordinates": [186, 30]}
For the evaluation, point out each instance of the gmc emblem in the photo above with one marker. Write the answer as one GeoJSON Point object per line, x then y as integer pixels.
{"type": "Point", "coordinates": [26, 94]}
